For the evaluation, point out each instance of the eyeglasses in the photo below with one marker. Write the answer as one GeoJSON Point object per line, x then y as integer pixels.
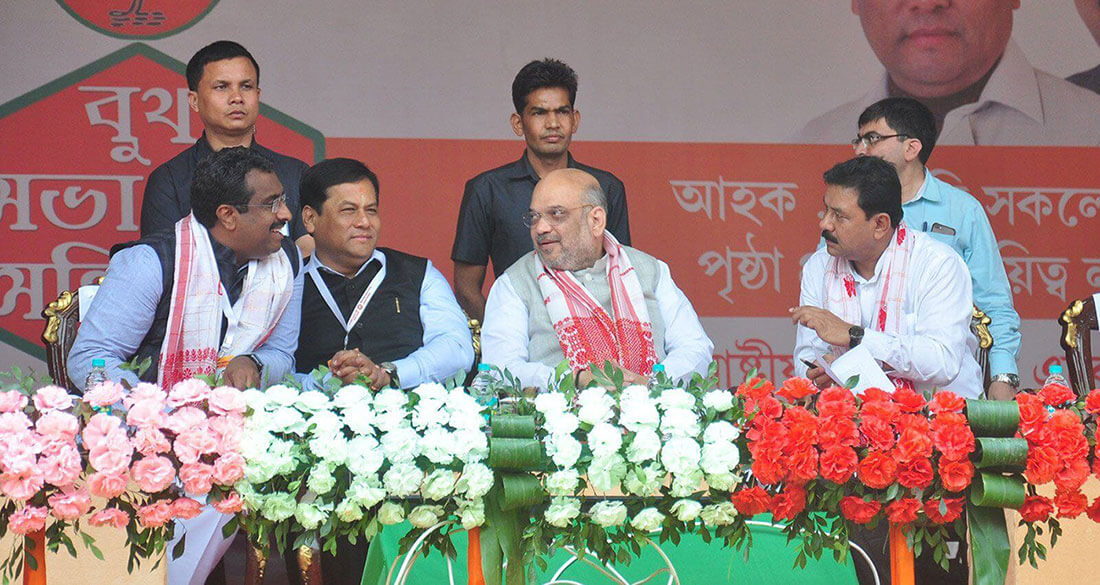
{"type": "Point", "coordinates": [554, 217]}
{"type": "Point", "coordinates": [871, 138]}
{"type": "Point", "coordinates": [273, 206]}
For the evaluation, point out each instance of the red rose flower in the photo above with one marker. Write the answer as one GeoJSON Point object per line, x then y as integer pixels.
{"type": "Point", "coordinates": [859, 510]}
{"type": "Point", "coordinates": [1032, 414]}
{"type": "Point", "coordinates": [1071, 503]}
{"type": "Point", "coordinates": [836, 401]}
{"type": "Point", "coordinates": [878, 432]}
{"type": "Point", "coordinates": [1056, 395]}
{"type": "Point", "coordinates": [946, 401]}
{"type": "Point", "coordinates": [912, 444]}
{"type": "Point", "coordinates": [951, 436]}
{"type": "Point", "coordinates": [787, 504]}
{"type": "Point", "coordinates": [1092, 402]}
{"type": "Point", "coordinates": [909, 400]}
{"type": "Point", "coordinates": [878, 470]}
{"type": "Point", "coordinates": [956, 475]}
{"type": "Point", "coordinates": [903, 511]}
{"type": "Point", "coordinates": [1036, 509]}
{"type": "Point", "coordinates": [837, 431]}
{"type": "Point", "coordinates": [751, 501]}
{"type": "Point", "coordinates": [838, 464]}
{"type": "Point", "coordinates": [1042, 464]}
{"type": "Point", "coordinates": [796, 389]}
{"type": "Point", "coordinates": [916, 474]}
{"type": "Point", "coordinates": [803, 464]}
{"type": "Point", "coordinates": [950, 511]}
{"type": "Point", "coordinates": [1093, 510]}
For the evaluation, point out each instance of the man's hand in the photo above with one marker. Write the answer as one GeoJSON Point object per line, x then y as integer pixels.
{"type": "Point", "coordinates": [818, 375]}
{"type": "Point", "coordinates": [1001, 391]}
{"type": "Point", "coordinates": [830, 328]}
{"type": "Point", "coordinates": [241, 373]}
{"type": "Point", "coordinates": [349, 364]}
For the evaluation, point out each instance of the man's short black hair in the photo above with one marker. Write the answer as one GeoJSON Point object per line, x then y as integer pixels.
{"type": "Point", "coordinates": [216, 51]}
{"type": "Point", "coordinates": [221, 179]}
{"type": "Point", "coordinates": [875, 180]}
{"type": "Point", "coordinates": [329, 173]}
{"type": "Point", "coordinates": [541, 74]}
{"type": "Point", "coordinates": [906, 116]}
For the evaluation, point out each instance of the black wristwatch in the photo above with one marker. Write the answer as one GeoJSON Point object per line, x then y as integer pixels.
{"type": "Point", "coordinates": [256, 360]}
{"type": "Point", "coordinates": [391, 369]}
{"type": "Point", "coordinates": [855, 336]}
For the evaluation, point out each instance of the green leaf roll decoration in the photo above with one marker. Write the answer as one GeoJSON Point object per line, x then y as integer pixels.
{"type": "Point", "coordinates": [993, 418]}
{"type": "Point", "coordinates": [1000, 453]}
{"type": "Point", "coordinates": [997, 491]}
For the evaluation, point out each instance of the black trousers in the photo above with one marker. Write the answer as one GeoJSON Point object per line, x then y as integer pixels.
{"type": "Point", "coordinates": [928, 572]}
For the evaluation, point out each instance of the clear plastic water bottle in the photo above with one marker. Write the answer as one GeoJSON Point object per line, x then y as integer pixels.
{"type": "Point", "coordinates": [655, 376]}
{"type": "Point", "coordinates": [1055, 376]}
{"type": "Point", "coordinates": [481, 388]}
{"type": "Point", "coordinates": [97, 374]}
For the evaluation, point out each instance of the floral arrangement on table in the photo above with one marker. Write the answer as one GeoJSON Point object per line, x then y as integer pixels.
{"type": "Point", "coordinates": [321, 467]}
{"type": "Point", "coordinates": [132, 459]}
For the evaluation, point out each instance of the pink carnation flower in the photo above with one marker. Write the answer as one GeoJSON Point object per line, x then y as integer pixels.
{"type": "Point", "coordinates": [104, 394]}
{"type": "Point", "coordinates": [57, 425]}
{"type": "Point", "coordinates": [109, 517]}
{"type": "Point", "coordinates": [113, 454]}
{"type": "Point", "coordinates": [98, 428]}
{"type": "Point", "coordinates": [186, 508]}
{"type": "Point", "coordinates": [104, 485]}
{"type": "Point", "coordinates": [61, 464]}
{"type": "Point", "coordinates": [230, 504]}
{"type": "Point", "coordinates": [185, 418]}
{"type": "Point", "coordinates": [228, 469]}
{"type": "Point", "coordinates": [144, 391]}
{"type": "Point", "coordinates": [227, 400]}
{"type": "Point", "coordinates": [27, 520]}
{"type": "Point", "coordinates": [146, 414]}
{"type": "Point", "coordinates": [156, 514]}
{"type": "Point", "coordinates": [12, 401]}
{"type": "Point", "coordinates": [20, 453]}
{"type": "Point", "coordinates": [191, 391]}
{"type": "Point", "coordinates": [153, 474]}
{"type": "Point", "coordinates": [149, 441]}
{"type": "Point", "coordinates": [70, 506]}
{"type": "Point", "coordinates": [227, 431]}
{"type": "Point", "coordinates": [22, 486]}
{"type": "Point", "coordinates": [14, 422]}
{"type": "Point", "coordinates": [193, 443]}
{"type": "Point", "coordinates": [52, 398]}
{"type": "Point", "coordinates": [197, 478]}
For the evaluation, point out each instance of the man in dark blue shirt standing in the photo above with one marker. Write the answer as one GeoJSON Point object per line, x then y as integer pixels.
{"type": "Point", "coordinates": [490, 221]}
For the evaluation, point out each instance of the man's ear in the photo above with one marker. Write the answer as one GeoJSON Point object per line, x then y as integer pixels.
{"type": "Point", "coordinates": [517, 124]}
{"type": "Point", "coordinates": [882, 225]}
{"type": "Point", "coordinates": [227, 216]}
{"type": "Point", "coordinates": [193, 100]}
{"type": "Point", "coordinates": [309, 218]}
{"type": "Point", "coordinates": [597, 219]}
{"type": "Point", "coordinates": [913, 146]}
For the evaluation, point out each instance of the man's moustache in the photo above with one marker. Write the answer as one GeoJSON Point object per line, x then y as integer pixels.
{"type": "Point", "coordinates": [829, 237]}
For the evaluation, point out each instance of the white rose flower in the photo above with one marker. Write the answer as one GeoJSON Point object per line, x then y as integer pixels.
{"type": "Point", "coordinates": [644, 481]}
{"type": "Point", "coordinates": [424, 516]}
{"type": "Point", "coordinates": [680, 455]}
{"type": "Point", "coordinates": [680, 422]}
{"type": "Point", "coordinates": [648, 520]}
{"type": "Point", "coordinates": [255, 399]}
{"type": "Point", "coordinates": [720, 400]}
{"type": "Point", "coordinates": [287, 420]}
{"type": "Point", "coordinates": [548, 402]}
{"type": "Point", "coordinates": [720, 432]}
{"type": "Point", "coordinates": [719, 514]}
{"type": "Point", "coordinates": [365, 491]}
{"type": "Point", "coordinates": [686, 484]}
{"type": "Point", "coordinates": [562, 511]}
{"type": "Point", "coordinates": [348, 511]}
{"type": "Point", "coordinates": [686, 510]}
{"type": "Point", "coordinates": [472, 514]}
{"type": "Point", "coordinates": [562, 483]}
{"type": "Point", "coordinates": [719, 457]}
{"type": "Point", "coordinates": [439, 484]}
{"type": "Point", "coordinates": [605, 473]}
{"type": "Point", "coordinates": [401, 444]}
{"type": "Point", "coordinates": [438, 445]}
{"type": "Point", "coordinates": [604, 439]}
{"type": "Point", "coordinates": [608, 513]}
{"type": "Point", "coordinates": [403, 479]}
{"type": "Point", "coordinates": [350, 396]}
{"type": "Point", "coordinates": [282, 395]}
{"type": "Point", "coordinates": [309, 515]}
{"type": "Point", "coordinates": [364, 456]}
{"type": "Point", "coordinates": [391, 513]}
{"type": "Point", "coordinates": [595, 406]}
{"type": "Point", "coordinates": [476, 481]}
{"type": "Point", "coordinates": [561, 423]}
{"type": "Point", "coordinates": [470, 445]}
{"type": "Point", "coordinates": [645, 445]}
{"type": "Point", "coordinates": [722, 481]}
{"type": "Point", "coordinates": [637, 410]}
{"type": "Point", "coordinates": [390, 399]}
{"type": "Point", "coordinates": [321, 480]}
{"type": "Point", "coordinates": [564, 450]}
{"type": "Point", "coordinates": [311, 401]}
{"type": "Point", "coordinates": [359, 418]}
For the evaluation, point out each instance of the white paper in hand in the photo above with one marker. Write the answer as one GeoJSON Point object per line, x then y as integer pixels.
{"type": "Point", "coordinates": [857, 362]}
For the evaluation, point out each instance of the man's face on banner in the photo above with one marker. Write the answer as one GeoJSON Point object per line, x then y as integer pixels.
{"type": "Point", "coordinates": [228, 96]}
{"type": "Point", "coordinates": [1090, 15]}
{"type": "Point", "coordinates": [933, 48]}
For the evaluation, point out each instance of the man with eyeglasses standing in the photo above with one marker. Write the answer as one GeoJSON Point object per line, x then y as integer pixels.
{"type": "Point", "coordinates": [582, 296]}
{"type": "Point", "coordinates": [902, 131]}
{"type": "Point", "coordinates": [220, 293]}
{"type": "Point", "coordinates": [489, 227]}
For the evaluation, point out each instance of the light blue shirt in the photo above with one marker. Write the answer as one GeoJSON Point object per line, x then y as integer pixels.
{"type": "Point", "coordinates": [446, 347]}
{"type": "Point", "coordinates": [939, 203]}
{"type": "Point", "coordinates": [124, 308]}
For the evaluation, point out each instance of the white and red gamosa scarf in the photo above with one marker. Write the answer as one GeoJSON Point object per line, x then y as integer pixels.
{"type": "Point", "coordinates": [841, 297]}
{"type": "Point", "coordinates": [588, 335]}
{"type": "Point", "coordinates": [199, 301]}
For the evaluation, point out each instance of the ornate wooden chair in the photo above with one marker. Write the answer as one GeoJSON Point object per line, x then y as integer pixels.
{"type": "Point", "coordinates": [1078, 322]}
{"type": "Point", "coordinates": [979, 326]}
{"type": "Point", "coordinates": [62, 320]}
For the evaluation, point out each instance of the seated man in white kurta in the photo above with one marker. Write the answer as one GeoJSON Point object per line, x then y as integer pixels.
{"type": "Point", "coordinates": [584, 296]}
{"type": "Point", "coordinates": [897, 291]}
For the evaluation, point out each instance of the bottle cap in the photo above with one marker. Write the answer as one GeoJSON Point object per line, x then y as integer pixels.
{"type": "Point", "coordinates": [658, 368]}
{"type": "Point", "coordinates": [99, 363]}
{"type": "Point", "coordinates": [1056, 369]}
{"type": "Point", "coordinates": [483, 367]}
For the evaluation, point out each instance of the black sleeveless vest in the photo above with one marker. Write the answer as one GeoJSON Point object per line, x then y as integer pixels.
{"type": "Point", "coordinates": [389, 328]}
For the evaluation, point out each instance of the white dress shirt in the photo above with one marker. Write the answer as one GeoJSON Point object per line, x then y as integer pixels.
{"type": "Point", "coordinates": [936, 348]}
{"type": "Point", "coordinates": [1020, 105]}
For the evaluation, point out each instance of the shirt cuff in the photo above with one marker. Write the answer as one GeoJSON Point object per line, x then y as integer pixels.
{"type": "Point", "coordinates": [878, 344]}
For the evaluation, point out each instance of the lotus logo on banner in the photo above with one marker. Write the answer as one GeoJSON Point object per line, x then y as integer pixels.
{"type": "Point", "coordinates": [73, 164]}
{"type": "Point", "coordinates": [133, 19]}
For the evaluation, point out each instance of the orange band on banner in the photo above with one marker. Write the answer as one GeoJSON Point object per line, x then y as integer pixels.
{"type": "Point", "coordinates": [34, 546]}
{"type": "Point", "coordinates": [901, 558]}
{"type": "Point", "coordinates": [473, 557]}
